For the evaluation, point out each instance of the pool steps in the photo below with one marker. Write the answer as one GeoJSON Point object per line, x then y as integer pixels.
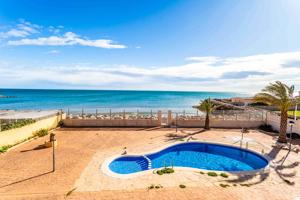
{"type": "Point", "coordinates": [149, 162]}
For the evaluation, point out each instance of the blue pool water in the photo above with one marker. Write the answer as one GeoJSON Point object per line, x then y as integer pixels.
{"type": "Point", "coordinates": [193, 154]}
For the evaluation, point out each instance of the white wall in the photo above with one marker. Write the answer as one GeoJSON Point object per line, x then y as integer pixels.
{"type": "Point", "coordinates": [111, 123]}
{"type": "Point", "coordinates": [274, 120]}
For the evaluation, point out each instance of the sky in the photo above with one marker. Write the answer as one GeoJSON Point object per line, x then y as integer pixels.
{"type": "Point", "coordinates": [188, 45]}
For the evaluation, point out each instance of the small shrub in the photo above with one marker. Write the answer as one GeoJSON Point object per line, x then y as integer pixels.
{"type": "Point", "coordinates": [165, 171]}
{"type": "Point", "coordinates": [234, 185]}
{"type": "Point", "coordinates": [224, 175]}
{"type": "Point", "coordinates": [41, 133]}
{"type": "Point", "coordinates": [224, 185]}
{"type": "Point", "coordinates": [151, 186]}
{"type": "Point", "coordinates": [60, 123]}
{"type": "Point", "coordinates": [4, 148]}
{"type": "Point", "coordinates": [159, 172]}
{"type": "Point", "coordinates": [201, 172]}
{"type": "Point", "coordinates": [212, 174]}
{"type": "Point", "coordinates": [182, 186]}
{"type": "Point", "coordinates": [266, 127]}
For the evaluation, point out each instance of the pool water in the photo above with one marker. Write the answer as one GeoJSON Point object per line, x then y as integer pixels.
{"type": "Point", "coordinates": [195, 155]}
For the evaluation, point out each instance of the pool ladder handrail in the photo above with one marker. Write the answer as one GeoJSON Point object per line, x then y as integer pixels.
{"type": "Point", "coordinates": [149, 162]}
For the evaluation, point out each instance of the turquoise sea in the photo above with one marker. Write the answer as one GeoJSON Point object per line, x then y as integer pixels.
{"type": "Point", "coordinates": [28, 99]}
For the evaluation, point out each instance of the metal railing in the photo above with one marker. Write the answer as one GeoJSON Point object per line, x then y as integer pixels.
{"type": "Point", "coordinates": [110, 114]}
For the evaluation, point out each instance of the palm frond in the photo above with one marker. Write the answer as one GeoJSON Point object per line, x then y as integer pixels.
{"type": "Point", "coordinates": [277, 94]}
{"type": "Point", "coordinates": [206, 106]}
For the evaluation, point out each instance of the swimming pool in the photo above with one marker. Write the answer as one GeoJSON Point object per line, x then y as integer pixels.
{"type": "Point", "coordinates": [198, 155]}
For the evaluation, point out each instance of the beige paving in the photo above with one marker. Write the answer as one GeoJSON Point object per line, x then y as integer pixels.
{"type": "Point", "coordinates": [26, 173]}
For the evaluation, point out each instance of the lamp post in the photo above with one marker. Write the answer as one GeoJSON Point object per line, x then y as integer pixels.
{"type": "Point", "coordinates": [291, 123]}
{"type": "Point", "coordinates": [52, 139]}
{"type": "Point", "coordinates": [295, 112]}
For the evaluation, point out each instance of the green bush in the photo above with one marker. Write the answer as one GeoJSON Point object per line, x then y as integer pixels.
{"type": "Point", "coordinates": [159, 172]}
{"type": "Point", "coordinates": [4, 148]}
{"type": "Point", "coordinates": [224, 175]}
{"type": "Point", "coordinates": [212, 174]}
{"type": "Point", "coordinates": [17, 124]}
{"type": "Point", "coordinates": [41, 133]}
{"type": "Point", "coordinates": [165, 171]}
{"type": "Point", "coordinates": [201, 172]}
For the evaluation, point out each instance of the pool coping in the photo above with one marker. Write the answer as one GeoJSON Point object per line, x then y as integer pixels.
{"type": "Point", "coordinates": [106, 170]}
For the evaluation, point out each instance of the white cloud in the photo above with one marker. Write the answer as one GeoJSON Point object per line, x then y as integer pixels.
{"type": "Point", "coordinates": [67, 39]}
{"type": "Point", "coordinates": [53, 52]}
{"type": "Point", "coordinates": [23, 29]}
{"type": "Point", "coordinates": [239, 74]}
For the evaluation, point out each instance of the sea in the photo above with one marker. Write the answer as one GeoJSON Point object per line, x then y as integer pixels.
{"type": "Point", "coordinates": [103, 100]}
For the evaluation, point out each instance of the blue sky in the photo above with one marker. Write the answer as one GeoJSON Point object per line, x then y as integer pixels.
{"type": "Point", "coordinates": [149, 44]}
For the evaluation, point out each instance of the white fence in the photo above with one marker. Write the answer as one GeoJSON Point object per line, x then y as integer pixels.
{"type": "Point", "coordinates": [219, 119]}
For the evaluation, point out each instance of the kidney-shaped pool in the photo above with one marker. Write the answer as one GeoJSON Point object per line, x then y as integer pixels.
{"type": "Point", "coordinates": [198, 155]}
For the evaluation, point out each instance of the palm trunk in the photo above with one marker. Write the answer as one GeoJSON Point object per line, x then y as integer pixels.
{"type": "Point", "coordinates": [283, 126]}
{"type": "Point", "coordinates": [206, 126]}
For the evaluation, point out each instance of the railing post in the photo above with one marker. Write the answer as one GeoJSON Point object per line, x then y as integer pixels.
{"type": "Point", "coordinates": [223, 113]}
{"type": "Point", "coordinates": [96, 113]}
{"type": "Point", "coordinates": [82, 113]}
{"type": "Point", "coordinates": [124, 114]}
{"type": "Point", "coordinates": [176, 121]}
{"type": "Point", "coordinates": [110, 114]}
{"type": "Point", "coordinates": [159, 117]}
{"type": "Point", "coordinates": [60, 114]}
{"type": "Point", "coordinates": [151, 117]}
{"type": "Point", "coordinates": [170, 117]}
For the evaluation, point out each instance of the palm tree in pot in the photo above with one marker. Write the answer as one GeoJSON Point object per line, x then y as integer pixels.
{"type": "Point", "coordinates": [280, 95]}
{"type": "Point", "coordinates": [206, 106]}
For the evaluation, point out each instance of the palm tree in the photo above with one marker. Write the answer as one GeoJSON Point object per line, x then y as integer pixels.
{"type": "Point", "coordinates": [280, 95]}
{"type": "Point", "coordinates": [206, 106]}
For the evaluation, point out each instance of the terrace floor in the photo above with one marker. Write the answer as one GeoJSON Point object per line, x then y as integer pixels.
{"type": "Point", "coordinates": [26, 171]}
